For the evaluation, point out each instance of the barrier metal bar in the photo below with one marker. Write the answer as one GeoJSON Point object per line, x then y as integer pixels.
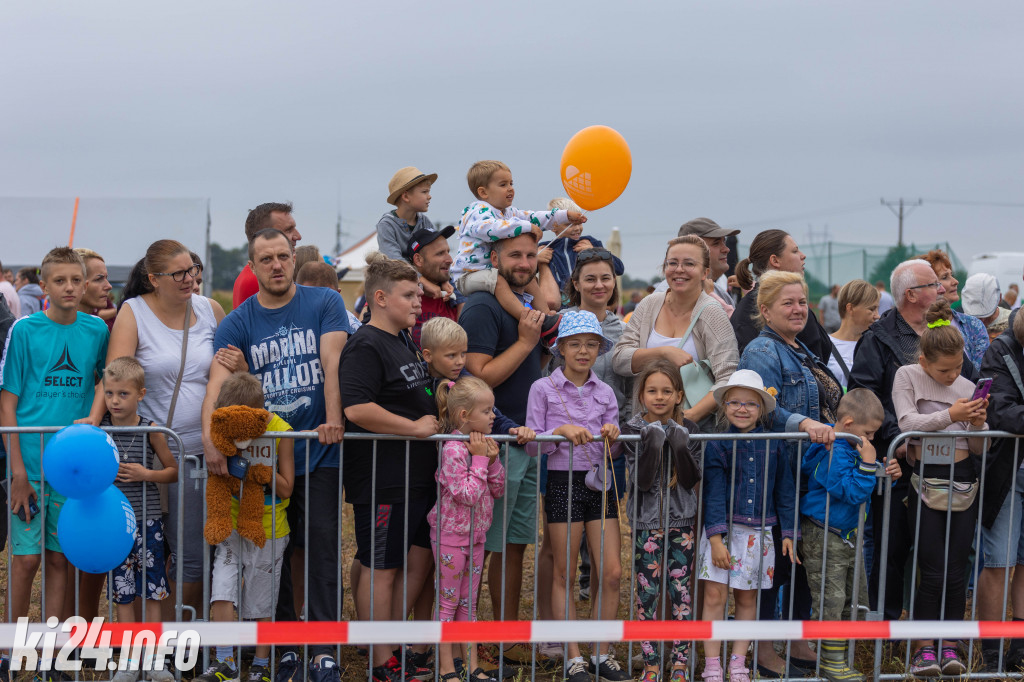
{"type": "Point", "coordinates": [976, 544]}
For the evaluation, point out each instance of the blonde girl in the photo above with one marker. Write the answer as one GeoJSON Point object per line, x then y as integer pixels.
{"type": "Point", "coordinates": [664, 468]}
{"type": "Point", "coordinates": [737, 549]}
{"type": "Point", "coordinates": [470, 477]}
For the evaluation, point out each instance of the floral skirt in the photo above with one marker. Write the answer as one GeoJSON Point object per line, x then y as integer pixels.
{"type": "Point", "coordinates": [751, 559]}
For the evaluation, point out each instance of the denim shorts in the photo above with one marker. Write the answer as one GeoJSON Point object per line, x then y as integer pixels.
{"type": "Point", "coordinates": [1002, 543]}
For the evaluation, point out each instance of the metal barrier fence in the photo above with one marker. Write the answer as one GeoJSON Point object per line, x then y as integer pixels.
{"type": "Point", "coordinates": [503, 581]}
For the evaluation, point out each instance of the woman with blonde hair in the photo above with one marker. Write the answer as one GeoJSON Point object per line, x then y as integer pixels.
{"type": "Point", "coordinates": [858, 310]}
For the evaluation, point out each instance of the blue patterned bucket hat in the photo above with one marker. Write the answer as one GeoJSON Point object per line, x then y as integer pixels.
{"type": "Point", "coordinates": [576, 322]}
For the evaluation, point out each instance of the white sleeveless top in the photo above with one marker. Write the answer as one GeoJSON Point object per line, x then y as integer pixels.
{"type": "Point", "coordinates": [159, 353]}
{"type": "Point", "coordinates": [656, 340]}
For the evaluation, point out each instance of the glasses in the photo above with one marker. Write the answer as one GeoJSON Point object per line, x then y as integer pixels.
{"type": "Point", "coordinates": [748, 406]}
{"type": "Point", "coordinates": [587, 255]}
{"type": "Point", "coordinates": [677, 264]}
{"type": "Point", "coordinates": [925, 286]}
{"type": "Point", "coordinates": [592, 346]}
{"type": "Point", "coordinates": [179, 275]}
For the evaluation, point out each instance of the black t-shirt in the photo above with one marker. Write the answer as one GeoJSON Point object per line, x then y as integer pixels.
{"type": "Point", "coordinates": [379, 367]}
{"type": "Point", "coordinates": [492, 331]}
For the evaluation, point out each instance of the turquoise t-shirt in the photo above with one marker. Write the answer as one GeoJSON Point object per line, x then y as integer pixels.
{"type": "Point", "coordinates": [53, 369]}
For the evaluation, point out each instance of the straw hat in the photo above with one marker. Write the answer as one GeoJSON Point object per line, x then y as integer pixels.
{"type": "Point", "coordinates": [404, 179]}
{"type": "Point", "coordinates": [749, 379]}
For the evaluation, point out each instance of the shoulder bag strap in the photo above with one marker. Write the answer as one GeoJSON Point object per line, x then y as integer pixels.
{"type": "Point", "coordinates": [840, 361]}
{"type": "Point", "coordinates": [1014, 372]}
{"type": "Point", "coordinates": [693, 321]}
{"type": "Point", "coordinates": [181, 368]}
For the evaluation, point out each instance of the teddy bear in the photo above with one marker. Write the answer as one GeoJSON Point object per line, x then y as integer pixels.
{"type": "Point", "coordinates": [232, 429]}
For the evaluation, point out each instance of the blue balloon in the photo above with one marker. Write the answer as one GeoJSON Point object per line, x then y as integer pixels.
{"type": "Point", "coordinates": [80, 461]}
{"type": "Point", "coordinates": [97, 533]}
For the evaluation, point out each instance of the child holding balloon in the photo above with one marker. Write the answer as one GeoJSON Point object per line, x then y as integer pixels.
{"type": "Point", "coordinates": [142, 572]}
{"type": "Point", "coordinates": [492, 218]}
{"type": "Point", "coordinates": [52, 363]}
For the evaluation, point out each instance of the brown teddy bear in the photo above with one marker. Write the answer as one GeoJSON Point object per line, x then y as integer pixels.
{"type": "Point", "coordinates": [232, 429]}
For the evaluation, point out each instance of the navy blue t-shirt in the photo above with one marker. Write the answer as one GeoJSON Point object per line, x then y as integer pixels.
{"type": "Point", "coordinates": [492, 331]}
{"type": "Point", "coordinates": [282, 347]}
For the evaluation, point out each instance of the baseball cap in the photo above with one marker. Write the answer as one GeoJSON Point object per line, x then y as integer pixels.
{"type": "Point", "coordinates": [980, 295]}
{"type": "Point", "coordinates": [422, 237]}
{"type": "Point", "coordinates": [705, 227]}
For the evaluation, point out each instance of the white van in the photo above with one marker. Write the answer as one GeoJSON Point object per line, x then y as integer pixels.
{"type": "Point", "coordinates": [1006, 266]}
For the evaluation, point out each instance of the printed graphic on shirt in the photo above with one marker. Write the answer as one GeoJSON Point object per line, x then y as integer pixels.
{"type": "Point", "coordinates": [63, 378]}
{"type": "Point", "coordinates": [287, 363]}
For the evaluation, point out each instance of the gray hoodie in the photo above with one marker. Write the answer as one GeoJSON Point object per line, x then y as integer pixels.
{"type": "Point", "coordinates": [393, 233]}
{"type": "Point", "coordinates": [650, 474]}
{"type": "Point", "coordinates": [31, 296]}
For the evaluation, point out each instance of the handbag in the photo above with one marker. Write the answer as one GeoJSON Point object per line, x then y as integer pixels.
{"type": "Point", "coordinates": [935, 493]}
{"type": "Point", "coordinates": [597, 477]}
{"type": "Point", "coordinates": [698, 379]}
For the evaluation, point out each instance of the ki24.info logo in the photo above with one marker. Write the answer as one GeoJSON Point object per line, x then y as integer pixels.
{"type": "Point", "coordinates": [141, 649]}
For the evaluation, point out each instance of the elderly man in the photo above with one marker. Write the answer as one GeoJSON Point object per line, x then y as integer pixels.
{"type": "Point", "coordinates": [887, 345]}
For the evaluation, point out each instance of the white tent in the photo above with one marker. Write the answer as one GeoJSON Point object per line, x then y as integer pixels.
{"type": "Point", "coordinates": [354, 258]}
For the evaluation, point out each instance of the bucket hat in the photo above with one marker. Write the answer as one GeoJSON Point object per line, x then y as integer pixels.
{"type": "Point", "coordinates": [575, 322]}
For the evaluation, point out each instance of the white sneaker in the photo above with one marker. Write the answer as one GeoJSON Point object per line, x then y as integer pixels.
{"type": "Point", "coordinates": [550, 649]}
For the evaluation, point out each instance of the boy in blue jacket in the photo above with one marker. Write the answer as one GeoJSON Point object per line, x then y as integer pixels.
{"type": "Point", "coordinates": [838, 483]}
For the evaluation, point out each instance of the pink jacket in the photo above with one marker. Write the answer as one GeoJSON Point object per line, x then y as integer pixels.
{"type": "Point", "coordinates": [469, 486]}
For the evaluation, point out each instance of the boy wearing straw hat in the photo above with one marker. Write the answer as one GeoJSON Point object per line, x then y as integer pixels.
{"type": "Point", "coordinates": [409, 193]}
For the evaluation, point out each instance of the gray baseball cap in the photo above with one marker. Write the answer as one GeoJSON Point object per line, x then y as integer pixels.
{"type": "Point", "coordinates": [705, 227]}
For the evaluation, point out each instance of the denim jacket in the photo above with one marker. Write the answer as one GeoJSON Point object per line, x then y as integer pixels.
{"type": "Point", "coordinates": [780, 368]}
{"type": "Point", "coordinates": [746, 499]}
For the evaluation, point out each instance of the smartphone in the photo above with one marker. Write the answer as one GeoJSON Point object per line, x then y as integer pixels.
{"type": "Point", "coordinates": [237, 466]}
{"type": "Point", "coordinates": [984, 386]}
{"type": "Point", "coordinates": [33, 509]}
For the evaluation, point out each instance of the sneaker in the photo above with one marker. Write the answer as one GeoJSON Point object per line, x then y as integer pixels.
{"type": "Point", "coordinates": [712, 671]}
{"type": "Point", "coordinates": [549, 330]}
{"type": "Point", "coordinates": [679, 675]}
{"type": "Point", "coordinates": [258, 673]}
{"type": "Point", "coordinates": [412, 671]}
{"type": "Point", "coordinates": [924, 663]}
{"type": "Point", "coordinates": [951, 663]}
{"type": "Point", "coordinates": [288, 668]}
{"type": "Point", "coordinates": [385, 673]}
{"type": "Point", "coordinates": [221, 671]}
{"type": "Point", "coordinates": [738, 671]}
{"type": "Point", "coordinates": [577, 672]}
{"type": "Point", "coordinates": [326, 670]}
{"type": "Point", "coordinates": [125, 676]}
{"type": "Point", "coordinates": [609, 670]}
{"type": "Point", "coordinates": [550, 650]}
{"type": "Point", "coordinates": [164, 675]}
{"type": "Point", "coordinates": [650, 676]}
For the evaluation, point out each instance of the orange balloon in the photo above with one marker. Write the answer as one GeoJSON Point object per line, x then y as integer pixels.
{"type": "Point", "coordinates": [596, 166]}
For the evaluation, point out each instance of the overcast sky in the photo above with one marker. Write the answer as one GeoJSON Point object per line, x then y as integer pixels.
{"type": "Point", "coordinates": [757, 114]}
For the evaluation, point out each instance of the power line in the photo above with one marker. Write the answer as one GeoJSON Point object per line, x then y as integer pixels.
{"type": "Point", "coordinates": [957, 202]}
{"type": "Point", "coordinates": [837, 210]}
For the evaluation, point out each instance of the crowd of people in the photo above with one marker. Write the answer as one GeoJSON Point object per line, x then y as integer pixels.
{"type": "Point", "coordinates": [520, 336]}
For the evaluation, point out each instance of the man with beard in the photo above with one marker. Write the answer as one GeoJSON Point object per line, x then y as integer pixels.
{"type": "Point", "coordinates": [428, 252]}
{"type": "Point", "coordinates": [292, 337]}
{"type": "Point", "coordinates": [504, 351]}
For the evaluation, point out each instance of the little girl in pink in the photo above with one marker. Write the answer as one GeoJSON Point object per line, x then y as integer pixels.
{"type": "Point", "coordinates": [471, 476]}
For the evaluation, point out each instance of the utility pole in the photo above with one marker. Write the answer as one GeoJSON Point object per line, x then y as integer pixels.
{"type": "Point", "coordinates": [897, 207]}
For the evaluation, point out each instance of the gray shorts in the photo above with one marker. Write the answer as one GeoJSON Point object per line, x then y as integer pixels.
{"type": "Point", "coordinates": [1002, 544]}
{"type": "Point", "coordinates": [261, 574]}
{"type": "Point", "coordinates": [480, 280]}
{"type": "Point", "coordinates": [518, 508]}
{"type": "Point", "coordinates": [191, 552]}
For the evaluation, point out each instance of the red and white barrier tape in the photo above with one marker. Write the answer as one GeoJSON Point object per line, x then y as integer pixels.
{"type": "Point", "coordinates": [427, 632]}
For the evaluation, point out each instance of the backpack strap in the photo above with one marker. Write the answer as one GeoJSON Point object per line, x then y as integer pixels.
{"type": "Point", "coordinates": [1014, 372]}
